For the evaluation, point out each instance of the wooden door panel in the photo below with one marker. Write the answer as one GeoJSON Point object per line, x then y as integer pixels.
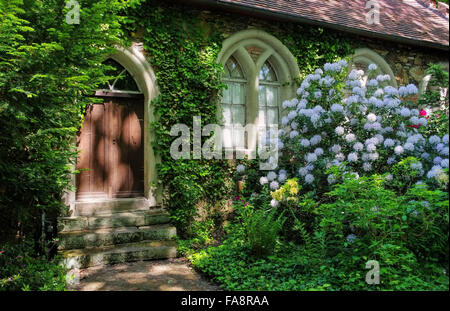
{"type": "Point", "coordinates": [111, 149]}
{"type": "Point", "coordinates": [92, 161]}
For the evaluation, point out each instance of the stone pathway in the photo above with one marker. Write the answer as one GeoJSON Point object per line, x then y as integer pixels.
{"type": "Point", "coordinates": [156, 275]}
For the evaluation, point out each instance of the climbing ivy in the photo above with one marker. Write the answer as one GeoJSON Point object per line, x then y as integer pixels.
{"type": "Point", "coordinates": [182, 48]}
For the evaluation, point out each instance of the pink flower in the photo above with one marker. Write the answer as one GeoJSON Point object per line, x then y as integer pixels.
{"type": "Point", "coordinates": [423, 113]}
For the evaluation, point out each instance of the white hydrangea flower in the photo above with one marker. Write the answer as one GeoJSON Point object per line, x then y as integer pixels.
{"type": "Point", "coordinates": [339, 130]}
{"type": "Point", "coordinates": [240, 168]}
{"type": "Point", "coordinates": [318, 152]}
{"type": "Point", "coordinates": [371, 117]}
{"type": "Point", "coordinates": [331, 179]}
{"type": "Point", "coordinates": [367, 166]}
{"type": "Point", "coordinates": [371, 147]}
{"type": "Point", "coordinates": [350, 137]}
{"type": "Point", "coordinates": [274, 203]}
{"type": "Point", "coordinates": [358, 146]}
{"type": "Point", "coordinates": [352, 157]}
{"type": "Point", "coordinates": [263, 180]}
{"type": "Point", "coordinates": [389, 177]}
{"type": "Point", "coordinates": [398, 150]}
{"type": "Point", "coordinates": [340, 157]}
{"type": "Point", "coordinates": [309, 179]}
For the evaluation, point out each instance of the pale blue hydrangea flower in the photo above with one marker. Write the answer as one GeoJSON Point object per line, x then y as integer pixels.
{"type": "Point", "coordinates": [336, 148]}
{"type": "Point", "coordinates": [294, 125]}
{"type": "Point", "coordinates": [271, 176]}
{"type": "Point", "coordinates": [408, 146]}
{"type": "Point", "coordinates": [391, 160]}
{"type": "Point", "coordinates": [317, 94]}
{"type": "Point", "coordinates": [444, 163]}
{"type": "Point", "coordinates": [434, 140]}
{"type": "Point", "coordinates": [309, 179]}
{"type": "Point", "coordinates": [274, 185]}
{"type": "Point", "coordinates": [337, 108]}
{"type": "Point", "coordinates": [303, 171]}
{"type": "Point", "coordinates": [445, 139]}
{"type": "Point", "coordinates": [389, 143]}
{"type": "Point", "coordinates": [293, 134]}
{"type": "Point", "coordinates": [372, 67]}
{"type": "Point", "coordinates": [316, 139]}
{"type": "Point", "coordinates": [372, 83]}
{"type": "Point", "coordinates": [318, 152]}
{"type": "Point", "coordinates": [305, 143]}
{"type": "Point", "coordinates": [351, 238]}
{"type": "Point", "coordinates": [311, 157]}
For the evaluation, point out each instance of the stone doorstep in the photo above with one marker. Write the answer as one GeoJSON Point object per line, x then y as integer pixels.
{"type": "Point", "coordinates": [129, 252]}
{"type": "Point", "coordinates": [108, 207]}
{"type": "Point", "coordinates": [125, 219]}
{"type": "Point", "coordinates": [114, 236]}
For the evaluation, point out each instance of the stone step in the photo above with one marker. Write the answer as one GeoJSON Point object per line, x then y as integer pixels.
{"type": "Point", "coordinates": [108, 207]}
{"type": "Point", "coordinates": [125, 219]}
{"type": "Point", "coordinates": [114, 236]}
{"type": "Point", "coordinates": [144, 250]}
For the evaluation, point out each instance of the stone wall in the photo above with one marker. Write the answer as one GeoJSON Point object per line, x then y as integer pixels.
{"type": "Point", "coordinates": [407, 62]}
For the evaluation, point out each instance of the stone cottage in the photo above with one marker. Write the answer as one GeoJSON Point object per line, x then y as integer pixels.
{"type": "Point", "coordinates": [115, 212]}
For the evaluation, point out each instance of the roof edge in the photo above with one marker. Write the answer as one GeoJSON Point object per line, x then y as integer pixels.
{"type": "Point", "coordinates": [296, 18]}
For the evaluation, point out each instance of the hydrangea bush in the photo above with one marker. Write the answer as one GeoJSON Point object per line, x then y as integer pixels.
{"type": "Point", "coordinates": [358, 122]}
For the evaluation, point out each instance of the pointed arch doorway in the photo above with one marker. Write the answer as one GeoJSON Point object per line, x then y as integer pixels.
{"type": "Point", "coordinates": [111, 141]}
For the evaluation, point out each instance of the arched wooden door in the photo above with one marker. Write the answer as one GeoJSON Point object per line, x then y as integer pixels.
{"type": "Point", "coordinates": [110, 145]}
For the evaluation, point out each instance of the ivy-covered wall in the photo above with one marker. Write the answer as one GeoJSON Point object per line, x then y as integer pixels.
{"type": "Point", "coordinates": [182, 42]}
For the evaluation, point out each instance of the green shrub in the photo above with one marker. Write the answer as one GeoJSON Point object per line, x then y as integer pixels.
{"type": "Point", "coordinates": [262, 232]}
{"type": "Point", "coordinates": [20, 269]}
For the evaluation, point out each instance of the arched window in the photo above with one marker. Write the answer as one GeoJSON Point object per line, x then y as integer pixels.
{"type": "Point", "coordinates": [363, 57]}
{"type": "Point", "coordinates": [121, 80]}
{"type": "Point", "coordinates": [260, 73]}
{"type": "Point", "coordinates": [233, 102]}
{"type": "Point", "coordinates": [268, 96]}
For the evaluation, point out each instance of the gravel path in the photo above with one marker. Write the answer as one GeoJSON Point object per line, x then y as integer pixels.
{"type": "Point", "coordinates": [156, 275]}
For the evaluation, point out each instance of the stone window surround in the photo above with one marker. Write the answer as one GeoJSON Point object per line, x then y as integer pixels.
{"type": "Point", "coordinates": [282, 61]}
{"type": "Point", "coordinates": [367, 56]}
{"type": "Point", "coordinates": [135, 63]}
